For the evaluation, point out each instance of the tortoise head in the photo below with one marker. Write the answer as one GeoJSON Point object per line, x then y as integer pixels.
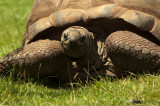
{"type": "Point", "coordinates": [76, 42]}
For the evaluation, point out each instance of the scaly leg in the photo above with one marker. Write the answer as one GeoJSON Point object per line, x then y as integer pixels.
{"type": "Point", "coordinates": [41, 58]}
{"type": "Point", "coordinates": [131, 52]}
{"type": "Point", "coordinates": [44, 58]}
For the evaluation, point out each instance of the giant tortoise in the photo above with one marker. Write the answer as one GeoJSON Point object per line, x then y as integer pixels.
{"type": "Point", "coordinates": [73, 38]}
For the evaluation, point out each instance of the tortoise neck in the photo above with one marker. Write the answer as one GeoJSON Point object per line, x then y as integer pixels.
{"type": "Point", "coordinates": [91, 60]}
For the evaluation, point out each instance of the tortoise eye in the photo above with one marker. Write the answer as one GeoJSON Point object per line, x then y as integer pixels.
{"type": "Point", "coordinates": [65, 36]}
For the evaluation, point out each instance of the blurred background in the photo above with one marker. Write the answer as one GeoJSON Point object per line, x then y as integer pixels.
{"type": "Point", "coordinates": [13, 19]}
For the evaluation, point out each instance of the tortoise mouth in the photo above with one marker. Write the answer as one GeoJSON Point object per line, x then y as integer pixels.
{"type": "Point", "coordinates": [73, 46]}
{"type": "Point", "coordinates": [74, 52]}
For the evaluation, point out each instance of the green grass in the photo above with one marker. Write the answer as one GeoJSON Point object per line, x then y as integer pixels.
{"type": "Point", "coordinates": [13, 16]}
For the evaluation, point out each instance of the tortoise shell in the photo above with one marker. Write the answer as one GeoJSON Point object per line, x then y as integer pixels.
{"type": "Point", "coordinates": [48, 18]}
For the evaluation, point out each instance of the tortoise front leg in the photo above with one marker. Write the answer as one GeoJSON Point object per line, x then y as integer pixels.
{"type": "Point", "coordinates": [44, 58]}
{"type": "Point", "coordinates": [41, 58]}
{"type": "Point", "coordinates": [131, 52]}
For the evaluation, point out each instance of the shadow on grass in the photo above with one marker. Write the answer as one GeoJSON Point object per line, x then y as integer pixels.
{"type": "Point", "coordinates": [54, 83]}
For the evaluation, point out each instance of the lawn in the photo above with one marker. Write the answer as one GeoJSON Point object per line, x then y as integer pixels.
{"type": "Point", "coordinates": [13, 16]}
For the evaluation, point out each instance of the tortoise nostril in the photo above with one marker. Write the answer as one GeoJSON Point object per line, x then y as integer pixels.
{"type": "Point", "coordinates": [65, 36]}
{"type": "Point", "coordinates": [73, 39]}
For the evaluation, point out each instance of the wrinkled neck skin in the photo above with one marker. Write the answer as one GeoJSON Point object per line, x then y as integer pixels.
{"type": "Point", "coordinates": [91, 61]}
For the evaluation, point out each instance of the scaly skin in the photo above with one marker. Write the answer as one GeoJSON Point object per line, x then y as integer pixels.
{"type": "Point", "coordinates": [131, 52]}
{"type": "Point", "coordinates": [44, 58]}
{"type": "Point", "coordinates": [41, 58]}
